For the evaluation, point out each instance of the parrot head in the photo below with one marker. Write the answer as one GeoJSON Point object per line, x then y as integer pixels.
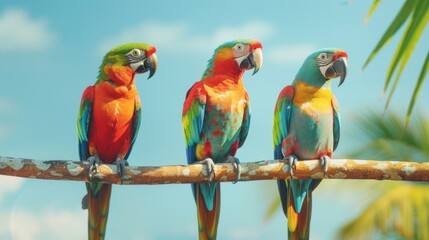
{"type": "Point", "coordinates": [234, 57]}
{"type": "Point", "coordinates": [121, 63]}
{"type": "Point", "coordinates": [324, 65]}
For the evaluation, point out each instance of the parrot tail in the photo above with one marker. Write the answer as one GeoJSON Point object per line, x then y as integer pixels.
{"type": "Point", "coordinates": [207, 220]}
{"type": "Point", "coordinates": [98, 209]}
{"type": "Point", "coordinates": [299, 223]}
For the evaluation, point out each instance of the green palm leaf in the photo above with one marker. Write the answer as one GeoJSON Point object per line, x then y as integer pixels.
{"type": "Point", "coordinates": [400, 210]}
{"type": "Point", "coordinates": [418, 13]}
{"type": "Point", "coordinates": [399, 20]}
{"type": "Point", "coordinates": [418, 86]}
{"type": "Point", "coordinates": [371, 10]}
{"type": "Point", "coordinates": [385, 139]}
{"type": "Point", "coordinates": [272, 208]}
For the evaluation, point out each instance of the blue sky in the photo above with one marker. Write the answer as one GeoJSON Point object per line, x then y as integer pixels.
{"type": "Point", "coordinates": [50, 51]}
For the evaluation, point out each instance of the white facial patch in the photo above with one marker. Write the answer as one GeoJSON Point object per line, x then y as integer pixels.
{"type": "Point", "coordinates": [136, 65]}
{"type": "Point", "coordinates": [324, 68]}
{"type": "Point", "coordinates": [240, 59]}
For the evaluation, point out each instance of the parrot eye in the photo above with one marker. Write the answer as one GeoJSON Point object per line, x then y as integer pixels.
{"type": "Point", "coordinates": [323, 59]}
{"type": "Point", "coordinates": [239, 47]}
{"type": "Point", "coordinates": [135, 52]}
{"type": "Point", "coordinates": [136, 55]}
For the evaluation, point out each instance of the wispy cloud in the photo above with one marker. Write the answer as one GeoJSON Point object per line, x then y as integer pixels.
{"type": "Point", "coordinates": [21, 32]}
{"type": "Point", "coordinates": [8, 185]}
{"type": "Point", "coordinates": [49, 224]}
{"type": "Point", "coordinates": [256, 30]}
{"type": "Point", "coordinates": [181, 37]}
{"type": "Point", "coordinates": [290, 54]}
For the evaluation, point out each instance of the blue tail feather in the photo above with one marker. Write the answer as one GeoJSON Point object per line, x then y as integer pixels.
{"type": "Point", "coordinates": [299, 191]}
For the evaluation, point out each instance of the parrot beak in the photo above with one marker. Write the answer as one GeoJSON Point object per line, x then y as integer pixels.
{"type": "Point", "coordinates": [149, 64]}
{"type": "Point", "coordinates": [152, 63]}
{"type": "Point", "coordinates": [257, 60]}
{"type": "Point", "coordinates": [253, 60]}
{"type": "Point", "coordinates": [337, 69]}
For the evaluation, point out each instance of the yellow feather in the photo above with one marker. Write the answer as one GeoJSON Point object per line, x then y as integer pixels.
{"type": "Point", "coordinates": [292, 218]}
{"type": "Point", "coordinates": [310, 98]}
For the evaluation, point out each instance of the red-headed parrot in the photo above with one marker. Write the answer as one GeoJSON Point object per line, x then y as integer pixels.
{"type": "Point", "coordinates": [108, 123]}
{"type": "Point", "coordinates": [216, 118]}
{"type": "Point", "coordinates": [307, 126]}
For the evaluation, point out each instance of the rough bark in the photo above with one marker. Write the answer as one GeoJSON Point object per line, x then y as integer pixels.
{"type": "Point", "coordinates": [262, 170]}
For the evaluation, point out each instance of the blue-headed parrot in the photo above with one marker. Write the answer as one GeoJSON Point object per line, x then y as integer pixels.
{"type": "Point", "coordinates": [307, 126]}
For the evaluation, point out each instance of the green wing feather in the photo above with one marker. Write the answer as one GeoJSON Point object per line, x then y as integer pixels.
{"type": "Point", "coordinates": [83, 120]}
{"type": "Point", "coordinates": [337, 121]}
{"type": "Point", "coordinates": [192, 120]}
{"type": "Point", "coordinates": [282, 113]}
{"type": "Point", "coordinates": [245, 125]}
{"type": "Point", "coordinates": [206, 195]}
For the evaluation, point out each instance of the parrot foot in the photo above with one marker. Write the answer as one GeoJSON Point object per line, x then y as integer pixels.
{"type": "Point", "coordinates": [291, 160]}
{"type": "Point", "coordinates": [210, 167]}
{"type": "Point", "coordinates": [324, 162]}
{"type": "Point", "coordinates": [236, 165]}
{"type": "Point", "coordinates": [94, 162]}
{"type": "Point", "coordinates": [121, 164]}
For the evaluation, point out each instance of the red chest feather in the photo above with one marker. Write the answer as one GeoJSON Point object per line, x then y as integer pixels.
{"type": "Point", "coordinates": [111, 120]}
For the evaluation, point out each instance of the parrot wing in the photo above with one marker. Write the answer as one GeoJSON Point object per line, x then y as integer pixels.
{"type": "Point", "coordinates": [245, 124]}
{"type": "Point", "coordinates": [136, 123]}
{"type": "Point", "coordinates": [282, 114]}
{"type": "Point", "coordinates": [206, 195]}
{"type": "Point", "coordinates": [192, 120]}
{"type": "Point", "coordinates": [337, 120]}
{"type": "Point", "coordinates": [83, 120]}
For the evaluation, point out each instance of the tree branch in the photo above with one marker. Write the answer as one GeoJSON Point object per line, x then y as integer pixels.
{"type": "Point", "coordinates": [262, 170]}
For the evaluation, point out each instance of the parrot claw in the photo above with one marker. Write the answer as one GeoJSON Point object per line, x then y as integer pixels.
{"type": "Point", "coordinates": [324, 162]}
{"type": "Point", "coordinates": [121, 164]}
{"type": "Point", "coordinates": [94, 162]}
{"type": "Point", "coordinates": [236, 165]}
{"type": "Point", "coordinates": [210, 167]}
{"type": "Point", "coordinates": [291, 160]}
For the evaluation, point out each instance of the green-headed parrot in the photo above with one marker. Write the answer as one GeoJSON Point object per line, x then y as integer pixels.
{"type": "Point", "coordinates": [307, 126]}
{"type": "Point", "coordinates": [216, 119]}
{"type": "Point", "coordinates": [108, 123]}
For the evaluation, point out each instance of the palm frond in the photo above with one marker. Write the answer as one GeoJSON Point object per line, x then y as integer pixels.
{"type": "Point", "coordinates": [400, 212]}
{"type": "Point", "coordinates": [385, 138]}
{"type": "Point", "coordinates": [417, 12]}
{"type": "Point", "coordinates": [371, 10]}
{"type": "Point", "coordinates": [399, 20]}
{"type": "Point", "coordinates": [416, 92]}
{"type": "Point", "coordinates": [272, 208]}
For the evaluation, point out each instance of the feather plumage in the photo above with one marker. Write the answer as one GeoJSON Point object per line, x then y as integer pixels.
{"type": "Point", "coordinates": [108, 122]}
{"type": "Point", "coordinates": [216, 120]}
{"type": "Point", "coordinates": [307, 126]}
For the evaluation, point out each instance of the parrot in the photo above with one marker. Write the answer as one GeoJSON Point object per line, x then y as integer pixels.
{"type": "Point", "coordinates": [216, 120]}
{"type": "Point", "coordinates": [307, 126]}
{"type": "Point", "coordinates": [108, 122]}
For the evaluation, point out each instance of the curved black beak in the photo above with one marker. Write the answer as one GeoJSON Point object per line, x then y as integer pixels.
{"type": "Point", "coordinates": [253, 60]}
{"type": "Point", "coordinates": [149, 64]}
{"type": "Point", "coordinates": [337, 69]}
